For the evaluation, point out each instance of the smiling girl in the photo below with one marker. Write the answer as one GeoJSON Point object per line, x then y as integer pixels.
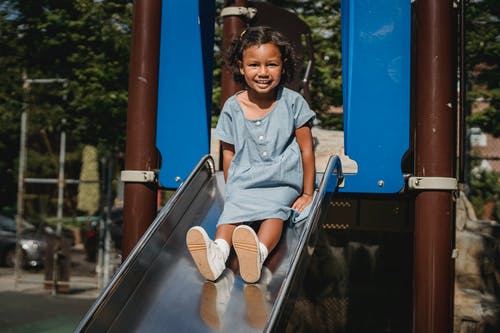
{"type": "Point", "coordinates": [268, 158]}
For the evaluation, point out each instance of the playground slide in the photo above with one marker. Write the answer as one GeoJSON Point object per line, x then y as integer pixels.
{"type": "Point", "coordinates": [159, 289]}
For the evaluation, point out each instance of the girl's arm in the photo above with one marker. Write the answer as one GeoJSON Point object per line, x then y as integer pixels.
{"type": "Point", "coordinates": [305, 141]}
{"type": "Point", "coordinates": [227, 157]}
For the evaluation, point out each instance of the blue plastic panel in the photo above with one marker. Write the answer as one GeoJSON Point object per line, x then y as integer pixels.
{"type": "Point", "coordinates": [376, 91]}
{"type": "Point", "coordinates": [185, 87]}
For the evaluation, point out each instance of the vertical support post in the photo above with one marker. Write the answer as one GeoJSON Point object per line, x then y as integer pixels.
{"type": "Point", "coordinates": [140, 199]}
{"type": "Point", "coordinates": [463, 143]}
{"type": "Point", "coordinates": [107, 234]}
{"type": "Point", "coordinates": [20, 192]}
{"type": "Point", "coordinates": [101, 227]}
{"type": "Point", "coordinates": [56, 267]}
{"type": "Point", "coordinates": [60, 180]}
{"type": "Point", "coordinates": [435, 156]}
{"type": "Point", "coordinates": [233, 26]}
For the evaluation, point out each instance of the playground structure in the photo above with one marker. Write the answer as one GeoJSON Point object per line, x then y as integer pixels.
{"type": "Point", "coordinates": [400, 129]}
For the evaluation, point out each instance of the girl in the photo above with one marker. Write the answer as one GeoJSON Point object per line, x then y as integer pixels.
{"type": "Point", "coordinates": [268, 158]}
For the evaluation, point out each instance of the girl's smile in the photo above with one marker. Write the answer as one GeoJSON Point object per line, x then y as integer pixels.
{"type": "Point", "coordinates": [262, 67]}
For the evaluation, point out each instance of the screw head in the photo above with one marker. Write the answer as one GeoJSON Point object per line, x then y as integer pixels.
{"type": "Point", "coordinates": [380, 183]}
{"type": "Point", "coordinates": [177, 179]}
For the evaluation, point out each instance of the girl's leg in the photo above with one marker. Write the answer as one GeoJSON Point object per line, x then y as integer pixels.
{"type": "Point", "coordinates": [270, 233]}
{"type": "Point", "coordinates": [225, 232]}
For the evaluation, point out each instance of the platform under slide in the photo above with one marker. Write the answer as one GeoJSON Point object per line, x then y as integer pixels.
{"type": "Point", "coordinates": [158, 288]}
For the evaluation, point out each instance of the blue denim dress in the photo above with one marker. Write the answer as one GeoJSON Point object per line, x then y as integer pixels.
{"type": "Point", "coordinates": [265, 176]}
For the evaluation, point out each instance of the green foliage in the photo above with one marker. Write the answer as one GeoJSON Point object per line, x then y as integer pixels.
{"type": "Point", "coordinates": [485, 188]}
{"type": "Point", "coordinates": [489, 118]}
{"type": "Point", "coordinates": [482, 54]}
{"type": "Point", "coordinates": [87, 43]}
{"type": "Point", "coordinates": [10, 102]}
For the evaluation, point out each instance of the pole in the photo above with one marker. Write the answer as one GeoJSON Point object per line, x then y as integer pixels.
{"type": "Point", "coordinates": [102, 229]}
{"type": "Point", "coordinates": [20, 194]}
{"type": "Point", "coordinates": [464, 142]}
{"type": "Point", "coordinates": [107, 234]}
{"type": "Point", "coordinates": [435, 156]}
{"type": "Point", "coordinates": [140, 199]}
{"type": "Point", "coordinates": [233, 26]}
{"type": "Point", "coordinates": [60, 180]}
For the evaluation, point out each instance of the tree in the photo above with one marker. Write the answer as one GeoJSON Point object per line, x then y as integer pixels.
{"type": "Point", "coordinates": [10, 103]}
{"type": "Point", "coordinates": [482, 54]}
{"type": "Point", "coordinates": [85, 42]}
{"type": "Point", "coordinates": [485, 190]}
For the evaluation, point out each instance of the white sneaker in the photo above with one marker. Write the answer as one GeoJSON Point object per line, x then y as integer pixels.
{"type": "Point", "coordinates": [206, 255]}
{"type": "Point", "coordinates": [246, 245]}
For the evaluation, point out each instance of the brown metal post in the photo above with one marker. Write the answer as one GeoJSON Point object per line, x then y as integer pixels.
{"type": "Point", "coordinates": [435, 157]}
{"type": "Point", "coordinates": [140, 198]}
{"type": "Point", "coordinates": [233, 26]}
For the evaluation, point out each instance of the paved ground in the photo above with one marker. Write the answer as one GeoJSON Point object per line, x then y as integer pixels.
{"type": "Point", "coordinates": [27, 306]}
{"type": "Point", "coordinates": [40, 312]}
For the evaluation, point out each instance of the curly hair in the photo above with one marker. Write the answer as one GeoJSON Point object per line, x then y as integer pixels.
{"type": "Point", "coordinates": [256, 36]}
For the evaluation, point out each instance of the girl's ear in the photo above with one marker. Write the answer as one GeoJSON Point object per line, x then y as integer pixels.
{"type": "Point", "coordinates": [240, 65]}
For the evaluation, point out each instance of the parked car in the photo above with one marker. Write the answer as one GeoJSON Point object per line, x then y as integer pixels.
{"type": "Point", "coordinates": [33, 244]}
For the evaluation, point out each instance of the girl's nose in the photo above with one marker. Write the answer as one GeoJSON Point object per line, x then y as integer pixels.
{"type": "Point", "coordinates": [262, 70]}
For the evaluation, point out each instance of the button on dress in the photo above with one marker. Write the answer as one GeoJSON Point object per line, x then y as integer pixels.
{"type": "Point", "coordinates": [265, 175]}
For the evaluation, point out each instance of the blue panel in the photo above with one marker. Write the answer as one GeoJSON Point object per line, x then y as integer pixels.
{"type": "Point", "coordinates": [185, 87]}
{"type": "Point", "coordinates": [376, 91]}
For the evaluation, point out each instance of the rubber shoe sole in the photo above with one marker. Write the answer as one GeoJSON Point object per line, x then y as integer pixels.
{"type": "Point", "coordinates": [246, 246]}
{"type": "Point", "coordinates": [197, 242]}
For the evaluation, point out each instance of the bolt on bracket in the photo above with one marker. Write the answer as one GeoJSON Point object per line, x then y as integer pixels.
{"type": "Point", "coordinates": [433, 183]}
{"type": "Point", "coordinates": [138, 176]}
{"type": "Point", "coordinates": [249, 12]}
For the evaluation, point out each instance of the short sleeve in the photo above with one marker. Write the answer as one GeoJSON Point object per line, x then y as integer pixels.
{"type": "Point", "coordinates": [224, 129]}
{"type": "Point", "coordinates": [302, 112]}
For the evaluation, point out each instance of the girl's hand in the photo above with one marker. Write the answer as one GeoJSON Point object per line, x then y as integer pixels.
{"type": "Point", "coordinates": [302, 202]}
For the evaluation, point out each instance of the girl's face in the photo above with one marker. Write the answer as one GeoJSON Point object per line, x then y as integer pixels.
{"type": "Point", "coordinates": [262, 67]}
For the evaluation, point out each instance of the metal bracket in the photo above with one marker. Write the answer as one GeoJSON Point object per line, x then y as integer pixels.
{"type": "Point", "coordinates": [432, 183]}
{"type": "Point", "coordinates": [138, 176]}
{"type": "Point", "coordinates": [249, 12]}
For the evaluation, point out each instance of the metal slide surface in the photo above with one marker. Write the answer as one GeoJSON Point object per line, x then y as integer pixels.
{"type": "Point", "coordinates": [158, 288]}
